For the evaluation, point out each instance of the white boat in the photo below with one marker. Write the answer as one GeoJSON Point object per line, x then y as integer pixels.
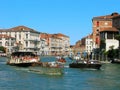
{"type": "Point", "coordinates": [75, 57]}
{"type": "Point", "coordinates": [23, 58]}
{"type": "Point", "coordinates": [60, 59]}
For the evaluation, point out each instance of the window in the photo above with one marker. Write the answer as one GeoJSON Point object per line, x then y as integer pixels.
{"type": "Point", "coordinates": [19, 36]}
{"type": "Point", "coordinates": [97, 30]}
{"type": "Point", "coordinates": [26, 43]}
{"type": "Point", "coordinates": [97, 23]}
{"type": "Point", "coordinates": [19, 42]}
{"type": "Point", "coordinates": [15, 36]}
{"type": "Point", "coordinates": [26, 36]}
{"type": "Point", "coordinates": [109, 35]}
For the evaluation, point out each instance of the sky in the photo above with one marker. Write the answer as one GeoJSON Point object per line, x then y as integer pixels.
{"type": "Point", "coordinates": [72, 18]}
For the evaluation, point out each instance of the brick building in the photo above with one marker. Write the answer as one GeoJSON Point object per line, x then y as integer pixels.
{"type": "Point", "coordinates": [105, 28]}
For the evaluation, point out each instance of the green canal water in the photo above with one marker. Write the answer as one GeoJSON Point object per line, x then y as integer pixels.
{"type": "Point", "coordinates": [16, 78]}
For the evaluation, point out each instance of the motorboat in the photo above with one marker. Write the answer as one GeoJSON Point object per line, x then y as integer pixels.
{"type": "Point", "coordinates": [117, 61]}
{"type": "Point", "coordinates": [23, 59]}
{"type": "Point", "coordinates": [95, 64]}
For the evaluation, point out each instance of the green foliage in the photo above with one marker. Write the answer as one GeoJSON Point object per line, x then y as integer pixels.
{"type": "Point", "coordinates": [117, 37]}
{"type": "Point", "coordinates": [113, 53]}
{"type": "Point", "coordinates": [2, 48]}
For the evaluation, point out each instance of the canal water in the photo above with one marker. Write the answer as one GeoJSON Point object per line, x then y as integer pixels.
{"type": "Point", "coordinates": [14, 78]}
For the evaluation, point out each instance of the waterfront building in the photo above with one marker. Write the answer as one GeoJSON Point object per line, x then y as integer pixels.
{"type": "Point", "coordinates": [105, 28]}
{"type": "Point", "coordinates": [116, 21]}
{"type": "Point", "coordinates": [116, 24]}
{"type": "Point", "coordinates": [79, 46]}
{"type": "Point", "coordinates": [54, 44]}
{"type": "Point", "coordinates": [89, 44]}
{"type": "Point", "coordinates": [44, 49]}
{"type": "Point", "coordinates": [65, 43]}
{"type": "Point", "coordinates": [59, 44]}
{"type": "Point", "coordinates": [107, 37]}
{"type": "Point", "coordinates": [26, 38]}
{"type": "Point", "coordinates": [8, 42]}
{"type": "Point", "coordinates": [71, 50]}
{"type": "Point", "coordinates": [85, 46]}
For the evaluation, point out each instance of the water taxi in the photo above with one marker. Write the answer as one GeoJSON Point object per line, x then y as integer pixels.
{"type": "Point", "coordinates": [95, 64]}
{"type": "Point", "coordinates": [23, 59]}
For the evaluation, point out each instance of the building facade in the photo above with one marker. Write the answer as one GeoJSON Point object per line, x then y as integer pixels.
{"type": "Point", "coordinates": [26, 38]}
{"type": "Point", "coordinates": [104, 30]}
{"type": "Point", "coordinates": [8, 42]}
{"type": "Point", "coordinates": [55, 44]}
{"type": "Point", "coordinates": [89, 44]}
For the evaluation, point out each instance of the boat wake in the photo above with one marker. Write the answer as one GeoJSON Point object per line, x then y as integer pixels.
{"type": "Point", "coordinates": [66, 66]}
{"type": "Point", "coordinates": [91, 69]}
{"type": "Point", "coordinates": [2, 62]}
{"type": "Point", "coordinates": [21, 68]}
{"type": "Point", "coordinates": [46, 70]}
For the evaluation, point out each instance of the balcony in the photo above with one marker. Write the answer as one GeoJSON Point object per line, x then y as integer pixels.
{"type": "Point", "coordinates": [29, 39]}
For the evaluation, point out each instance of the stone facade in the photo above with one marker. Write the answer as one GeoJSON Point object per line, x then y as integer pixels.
{"type": "Point", "coordinates": [8, 42]}
{"type": "Point", "coordinates": [57, 43]}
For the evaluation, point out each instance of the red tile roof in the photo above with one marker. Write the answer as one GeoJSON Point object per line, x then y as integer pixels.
{"type": "Point", "coordinates": [45, 35]}
{"type": "Point", "coordinates": [19, 28]}
{"type": "Point", "coordinates": [22, 28]}
{"type": "Point", "coordinates": [111, 29]}
{"type": "Point", "coordinates": [60, 35]}
{"type": "Point", "coordinates": [111, 16]}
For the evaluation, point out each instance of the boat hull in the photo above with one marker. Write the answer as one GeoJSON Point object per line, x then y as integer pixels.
{"type": "Point", "coordinates": [23, 59]}
{"type": "Point", "coordinates": [117, 62]}
{"type": "Point", "coordinates": [82, 65]}
{"type": "Point", "coordinates": [21, 64]}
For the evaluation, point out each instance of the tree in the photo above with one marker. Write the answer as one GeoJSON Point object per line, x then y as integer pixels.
{"type": "Point", "coordinates": [113, 53]}
{"type": "Point", "coordinates": [118, 38]}
{"type": "Point", "coordinates": [2, 49]}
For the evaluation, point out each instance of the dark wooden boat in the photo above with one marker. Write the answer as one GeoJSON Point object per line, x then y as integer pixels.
{"type": "Point", "coordinates": [117, 61]}
{"type": "Point", "coordinates": [86, 64]}
{"type": "Point", "coordinates": [21, 64]}
{"type": "Point", "coordinates": [23, 59]}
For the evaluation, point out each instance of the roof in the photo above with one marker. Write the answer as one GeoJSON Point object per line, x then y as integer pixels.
{"type": "Point", "coordinates": [61, 35]}
{"type": "Point", "coordinates": [111, 16]}
{"type": "Point", "coordinates": [111, 29]}
{"type": "Point", "coordinates": [45, 35]}
{"type": "Point", "coordinates": [90, 36]}
{"type": "Point", "coordinates": [19, 29]}
{"type": "Point", "coordinates": [22, 28]}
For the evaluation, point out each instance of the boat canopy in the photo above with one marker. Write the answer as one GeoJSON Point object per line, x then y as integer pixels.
{"type": "Point", "coordinates": [23, 54]}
